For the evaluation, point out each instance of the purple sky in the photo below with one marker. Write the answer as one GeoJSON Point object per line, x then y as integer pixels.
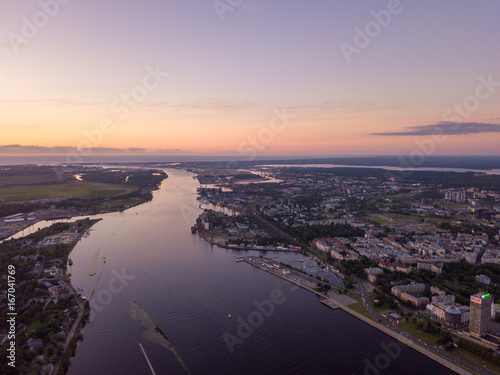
{"type": "Point", "coordinates": [228, 73]}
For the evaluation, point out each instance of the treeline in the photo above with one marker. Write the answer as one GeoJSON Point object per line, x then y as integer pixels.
{"type": "Point", "coordinates": [141, 178]}
{"type": "Point", "coordinates": [310, 232]}
{"type": "Point", "coordinates": [357, 268]}
{"type": "Point", "coordinates": [446, 180]}
{"type": "Point", "coordinates": [480, 351]}
{"type": "Point", "coordinates": [468, 228]}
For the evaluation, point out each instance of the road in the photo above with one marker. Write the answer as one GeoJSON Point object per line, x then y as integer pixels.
{"type": "Point", "coordinates": [369, 307]}
{"type": "Point", "coordinates": [68, 339]}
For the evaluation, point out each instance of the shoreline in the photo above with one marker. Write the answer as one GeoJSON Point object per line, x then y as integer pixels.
{"type": "Point", "coordinates": [335, 304]}
{"type": "Point", "coordinates": [209, 238]}
{"type": "Point", "coordinates": [78, 327]}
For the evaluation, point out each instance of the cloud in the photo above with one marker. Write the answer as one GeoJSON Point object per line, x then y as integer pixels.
{"type": "Point", "coordinates": [189, 105]}
{"type": "Point", "coordinates": [343, 106]}
{"type": "Point", "coordinates": [447, 128]}
{"type": "Point", "coordinates": [64, 150]}
{"type": "Point", "coordinates": [55, 102]}
{"type": "Point", "coordinates": [215, 105]}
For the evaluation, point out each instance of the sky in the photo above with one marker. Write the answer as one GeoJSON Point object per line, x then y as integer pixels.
{"type": "Point", "coordinates": [252, 78]}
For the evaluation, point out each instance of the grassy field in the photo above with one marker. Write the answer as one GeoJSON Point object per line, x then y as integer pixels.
{"type": "Point", "coordinates": [359, 308]}
{"type": "Point", "coordinates": [413, 330]}
{"type": "Point", "coordinates": [29, 180]}
{"type": "Point", "coordinates": [380, 309]}
{"type": "Point", "coordinates": [76, 189]}
{"type": "Point", "coordinates": [375, 220]}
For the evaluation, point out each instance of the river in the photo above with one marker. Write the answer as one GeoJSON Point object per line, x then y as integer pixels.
{"type": "Point", "coordinates": [198, 296]}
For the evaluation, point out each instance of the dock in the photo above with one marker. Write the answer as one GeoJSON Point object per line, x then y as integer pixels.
{"type": "Point", "coordinates": [330, 304]}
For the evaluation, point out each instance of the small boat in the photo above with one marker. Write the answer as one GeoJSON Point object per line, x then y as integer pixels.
{"type": "Point", "coordinates": [228, 315]}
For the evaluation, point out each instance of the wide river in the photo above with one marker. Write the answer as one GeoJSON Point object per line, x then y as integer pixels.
{"type": "Point", "coordinates": [198, 295]}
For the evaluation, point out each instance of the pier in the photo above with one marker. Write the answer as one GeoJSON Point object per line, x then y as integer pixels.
{"type": "Point", "coordinates": [330, 304]}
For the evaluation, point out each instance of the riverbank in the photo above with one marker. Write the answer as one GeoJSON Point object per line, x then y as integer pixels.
{"type": "Point", "coordinates": [221, 241]}
{"type": "Point", "coordinates": [50, 312]}
{"type": "Point", "coordinates": [334, 302]}
{"type": "Point", "coordinates": [25, 200]}
{"type": "Point", "coordinates": [83, 313]}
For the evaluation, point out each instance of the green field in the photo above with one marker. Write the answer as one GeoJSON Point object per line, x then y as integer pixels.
{"type": "Point", "coordinates": [76, 189]}
{"type": "Point", "coordinates": [359, 308]}
{"type": "Point", "coordinates": [431, 338]}
{"type": "Point", "coordinates": [31, 179]}
{"type": "Point", "coordinates": [376, 220]}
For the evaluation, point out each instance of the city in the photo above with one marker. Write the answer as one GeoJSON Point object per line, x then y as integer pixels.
{"type": "Point", "coordinates": [247, 187]}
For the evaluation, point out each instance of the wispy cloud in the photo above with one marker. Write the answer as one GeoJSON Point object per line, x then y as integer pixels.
{"type": "Point", "coordinates": [62, 150]}
{"type": "Point", "coordinates": [55, 102]}
{"type": "Point", "coordinates": [189, 105]}
{"type": "Point", "coordinates": [360, 106]}
{"type": "Point", "coordinates": [447, 128]}
{"type": "Point", "coordinates": [215, 105]}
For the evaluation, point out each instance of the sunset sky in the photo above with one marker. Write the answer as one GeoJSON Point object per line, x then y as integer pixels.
{"type": "Point", "coordinates": [267, 77]}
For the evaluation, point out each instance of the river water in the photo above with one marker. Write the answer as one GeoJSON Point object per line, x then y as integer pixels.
{"type": "Point", "coordinates": [198, 295]}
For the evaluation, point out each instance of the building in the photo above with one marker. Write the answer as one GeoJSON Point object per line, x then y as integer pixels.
{"type": "Point", "coordinates": [17, 218]}
{"type": "Point", "coordinates": [448, 314]}
{"type": "Point", "coordinates": [489, 257]}
{"type": "Point", "coordinates": [480, 313]}
{"type": "Point", "coordinates": [411, 294]}
{"type": "Point", "coordinates": [321, 245]}
{"type": "Point", "coordinates": [437, 268]}
{"type": "Point", "coordinates": [413, 288]}
{"type": "Point", "coordinates": [415, 301]}
{"type": "Point", "coordinates": [437, 291]}
{"type": "Point", "coordinates": [336, 255]}
{"type": "Point", "coordinates": [483, 279]}
{"type": "Point", "coordinates": [454, 196]}
{"type": "Point", "coordinates": [34, 343]}
{"type": "Point", "coordinates": [447, 300]}
{"type": "Point", "coordinates": [404, 269]}
{"type": "Point", "coordinates": [495, 310]}
{"type": "Point", "coordinates": [373, 273]}
{"type": "Point", "coordinates": [395, 317]}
